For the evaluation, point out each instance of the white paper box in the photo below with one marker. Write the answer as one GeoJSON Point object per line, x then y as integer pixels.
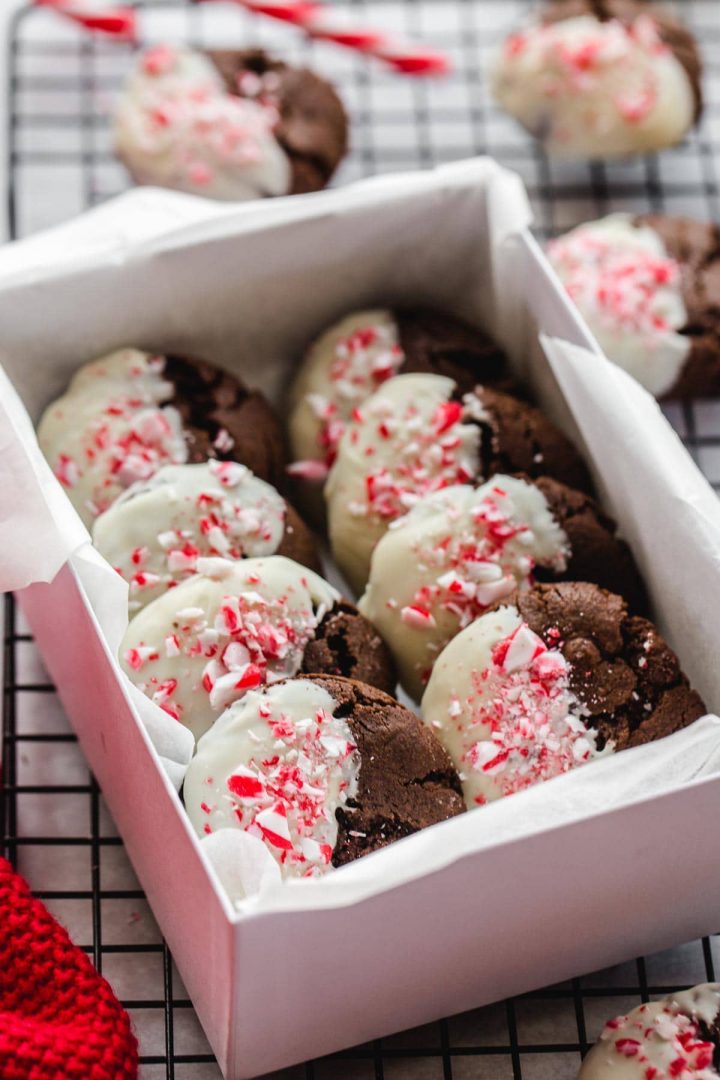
{"type": "Point", "coordinates": [611, 861]}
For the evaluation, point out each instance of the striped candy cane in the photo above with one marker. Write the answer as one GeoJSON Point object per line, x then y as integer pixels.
{"type": "Point", "coordinates": [317, 20]}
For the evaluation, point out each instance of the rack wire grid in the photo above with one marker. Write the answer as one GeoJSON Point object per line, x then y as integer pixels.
{"type": "Point", "coordinates": [54, 824]}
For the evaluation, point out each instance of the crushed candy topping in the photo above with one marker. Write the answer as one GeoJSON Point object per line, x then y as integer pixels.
{"type": "Point", "coordinates": [619, 285]}
{"type": "Point", "coordinates": [663, 1041]}
{"type": "Point", "coordinates": [244, 642]}
{"type": "Point", "coordinates": [182, 110]}
{"type": "Point", "coordinates": [219, 510]}
{"type": "Point", "coordinates": [420, 454]}
{"type": "Point", "coordinates": [576, 57]}
{"type": "Point", "coordinates": [529, 723]}
{"type": "Point", "coordinates": [127, 439]}
{"type": "Point", "coordinates": [361, 362]}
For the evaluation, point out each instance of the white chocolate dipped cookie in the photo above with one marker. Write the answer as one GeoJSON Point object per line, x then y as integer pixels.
{"type": "Point", "coordinates": [322, 770]}
{"type": "Point", "coordinates": [547, 682]}
{"type": "Point", "coordinates": [676, 1037]}
{"type": "Point", "coordinates": [177, 126]}
{"type": "Point", "coordinates": [601, 79]}
{"type": "Point", "coordinates": [629, 290]}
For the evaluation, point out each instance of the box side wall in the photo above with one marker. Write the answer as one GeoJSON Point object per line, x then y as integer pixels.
{"type": "Point", "coordinates": [143, 805]}
{"type": "Point", "coordinates": [514, 918]}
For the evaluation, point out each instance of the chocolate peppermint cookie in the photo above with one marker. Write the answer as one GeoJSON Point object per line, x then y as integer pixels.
{"type": "Point", "coordinates": [323, 770]}
{"type": "Point", "coordinates": [548, 681]}
{"type": "Point", "coordinates": [155, 532]}
{"type": "Point", "coordinates": [461, 550]}
{"type": "Point", "coordinates": [678, 1036]}
{"type": "Point", "coordinates": [353, 357]}
{"type": "Point", "coordinates": [229, 125]}
{"type": "Point", "coordinates": [128, 414]}
{"type": "Point", "coordinates": [237, 626]}
{"type": "Point", "coordinates": [649, 289]}
{"type": "Point", "coordinates": [419, 434]}
{"type": "Point", "coordinates": [601, 78]}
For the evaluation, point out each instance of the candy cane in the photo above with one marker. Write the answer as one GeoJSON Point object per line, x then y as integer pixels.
{"type": "Point", "coordinates": [319, 21]}
{"type": "Point", "coordinates": [119, 22]}
{"type": "Point", "coordinates": [315, 19]}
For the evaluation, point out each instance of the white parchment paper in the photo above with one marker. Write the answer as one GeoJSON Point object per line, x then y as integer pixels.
{"type": "Point", "coordinates": [247, 287]}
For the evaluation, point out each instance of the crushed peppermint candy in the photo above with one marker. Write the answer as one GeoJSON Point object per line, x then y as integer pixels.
{"type": "Point", "coordinates": [421, 454]}
{"type": "Point", "coordinates": [665, 1040]}
{"type": "Point", "coordinates": [177, 116]}
{"type": "Point", "coordinates": [252, 630]}
{"type": "Point", "coordinates": [522, 724]}
{"type": "Point", "coordinates": [199, 513]}
{"type": "Point", "coordinates": [361, 362]}
{"type": "Point", "coordinates": [284, 764]}
{"type": "Point", "coordinates": [626, 287]}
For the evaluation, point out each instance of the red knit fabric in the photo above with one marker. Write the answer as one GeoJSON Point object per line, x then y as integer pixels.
{"type": "Point", "coordinates": [59, 1019]}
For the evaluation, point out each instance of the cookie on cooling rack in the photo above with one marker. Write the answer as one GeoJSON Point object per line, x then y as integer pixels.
{"type": "Point", "coordinates": [678, 1036]}
{"type": "Point", "coordinates": [235, 626]}
{"type": "Point", "coordinates": [229, 125]}
{"type": "Point", "coordinates": [419, 434]}
{"type": "Point", "coordinates": [463, 549]}
{"type": "Point", "coordinates": [128, 414]}
{"type": "Point", "coordinates": [323, 770]}
{"type": "Point", "coordinates": [354, 356]}
{"type": "Point", "coordinates": [551, 679]}
{"type": "Point", "coordinates": [649, 289]}
{"type": "Point", "coordinates": [601, 78]}
{"type": "Point", "coordinates": [155, 532]}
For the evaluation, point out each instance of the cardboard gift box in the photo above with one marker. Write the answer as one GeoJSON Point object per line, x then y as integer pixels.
{"type": "Point", "coordinates": [602, 864]}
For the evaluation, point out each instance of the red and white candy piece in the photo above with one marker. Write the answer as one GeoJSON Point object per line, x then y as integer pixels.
{"type": "Point", "coordinates": [229, 629]}
{"type": "Point", "coordinates": [499, 699]}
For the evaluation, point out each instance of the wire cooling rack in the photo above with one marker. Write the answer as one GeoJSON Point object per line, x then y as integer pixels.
{"type": "Point", "coordinates": [53, 820]}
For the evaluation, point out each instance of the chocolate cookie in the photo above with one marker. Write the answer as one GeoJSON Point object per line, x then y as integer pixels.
{"type": "Point", "coordinates": [461, 550]}
{"type": "Point", "coordinates": [155, 533]}
{"type": "Point", "coordinates": [549, 680]}
{"type": "Point", "coordinates": [601, 78]}
{"type": "Point", "coordinates": [235, 626]}
{"type": "Point", "coordinates": [313, 126]}
{"type": "Point", "coordinates": [324, 770]}
{"type": "Point", "coordinates": [346, 643]}
{"type": "Point", "coordinates": [128, 414]}
{"type": "Point", "coordinates": [649, 289]}
{"type": "Point", "coordinates": [695, 248]}
{"type": "Point", "coordinates": [353, 357]}
{"type": "Point", "coordinates": [418, 434]}
{"type": "Point", "coordinates": [678, 1036]}
{"type": "Point", "coordinates": [223, 419]}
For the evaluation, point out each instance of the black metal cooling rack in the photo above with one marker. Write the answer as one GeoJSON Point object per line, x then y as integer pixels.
{"type": "Point", "coordinates": [52, 818]}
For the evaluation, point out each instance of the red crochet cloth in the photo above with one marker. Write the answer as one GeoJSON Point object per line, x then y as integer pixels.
{"type": "Point", "coordinates": [59, 1019]}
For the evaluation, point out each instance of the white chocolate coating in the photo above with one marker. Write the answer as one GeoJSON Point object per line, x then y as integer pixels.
{"type": "Point", "coordinates": [453, 555]}
{"type": "Point", "coordinates": [659, 1040]}
{"type": "Point", "coordinates": [176, 126]}
{"type": "Point", "coordinates": [408, 440]}
{"type": "Point", "coordinates": [500, 702]}
{"type": "Point", "coordinates": [595, 89]}
{"type": "Point", "coordinates": [155, 532]}
{"type": "Point", "coordinates": [628, 289]}
{"type": "Point", "coordinates": [342, 368]}
{"type": "Point", "coordinates": [231, 628]}
{"type": "Point", "coordinates": [111, 429]}
{"type": "Point", "coordinates": [277, 764]}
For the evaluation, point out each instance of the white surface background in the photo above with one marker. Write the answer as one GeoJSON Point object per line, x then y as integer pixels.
{"type": "Point", "coordinates": [63, 164]}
